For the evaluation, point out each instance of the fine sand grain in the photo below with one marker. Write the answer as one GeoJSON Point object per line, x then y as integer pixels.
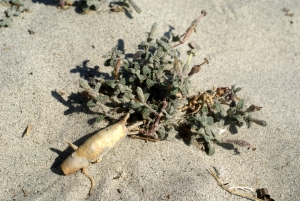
{"type": "Point", "coordinates": [250, 44]}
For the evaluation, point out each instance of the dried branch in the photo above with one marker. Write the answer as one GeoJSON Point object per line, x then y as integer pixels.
{"type": "Point", "coordinates": [143, 138]}
{"type": "Point", "coordinates": [156, 124]}
{"type": "Point", "coordinates": [117, 68]}
{"type": "Point", "coordinates": [213, 173]}
{"type": "Point", "coordinates": [136, 125]}
{"type": "Point", "coordinates": [191, 29]}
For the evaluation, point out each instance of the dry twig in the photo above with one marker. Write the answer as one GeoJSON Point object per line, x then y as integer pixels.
{"type": "Point", "coordinates": [214, 174]}
{"type": "Point", "coordinates": [143, 138]}
{"type": "Point", "coordinates": [191, 29]}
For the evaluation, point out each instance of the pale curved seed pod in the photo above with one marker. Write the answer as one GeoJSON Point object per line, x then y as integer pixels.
{"type": "Point", "coordinates": [95, 147]}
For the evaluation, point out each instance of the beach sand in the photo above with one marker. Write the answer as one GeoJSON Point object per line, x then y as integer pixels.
{"type": "Point", "coordinates": [250, 44]}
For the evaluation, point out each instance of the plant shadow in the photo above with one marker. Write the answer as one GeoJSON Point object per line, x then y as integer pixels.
{"type": "Point", "coordinates": [230, 147]}
{"type": "Point", "coordinates": [168, 33]}
{"type": "Point", "coordinates": [77, 102]}
{"type": "Point", "coordinates": [47, 2]}
{"type": "Point", "coordinates": [76, 4]}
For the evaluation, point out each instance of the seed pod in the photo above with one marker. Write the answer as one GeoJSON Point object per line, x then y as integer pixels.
{"type": "Point", "coordinates": [196, 68]}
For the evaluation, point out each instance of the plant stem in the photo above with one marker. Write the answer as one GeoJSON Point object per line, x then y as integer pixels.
{"type": "Point", "coordinates": [156, 124]}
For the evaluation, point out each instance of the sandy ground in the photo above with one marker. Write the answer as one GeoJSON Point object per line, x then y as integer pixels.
{"type": "Point", "coordinates": [251, 44]}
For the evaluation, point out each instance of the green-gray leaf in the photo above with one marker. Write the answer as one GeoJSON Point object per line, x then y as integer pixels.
{"type": "Point", "coordinates": [136, 105]}
{"type": "Point", "coordinates": [208, 132]}
{"type": "Point", "coordinates": [237, 89]}
{"type": "Point", "coordinates": [146, 70]}
{"type": "Point", "coordinates": [223, 112]}
{"type": "Point", "coordinates": [174, 91]}
{"type": "Point", "coordinates": [239, 118]}
{"type": "Point", "coordinates": [131, 79]}
{"type": "Point", "coordinates": [100, 118]}
{"type": "Point", "coordinates": [207, 138]}
{"type": "Point", "coordinates": [145, 113]}
{"type": "Point", "coordinates": [110, 83]}
{"type": "Point", "coordinates": [211, 149]}
{"type": "Point", "coordinates": [150, 83]}
{"type": "Point", "coordinates": [240, 104]}
{"type": "Point", "coordinates": [90, 103]}
{"type": "Point", "coordinates": [204, 110]}
{"type": "Point", "coordinates": [146, 95]}
{"type": "Point", "coordinates": [218, 106]}
{"type": "Point", "coordinates": [122, 81]}
{"type": "Point", "coordinates": [140, 94]}
{"type": "Point", "coordinates": [209, 120]}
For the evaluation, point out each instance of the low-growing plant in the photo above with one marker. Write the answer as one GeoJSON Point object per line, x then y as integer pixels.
{"type": "Point", "coordinates": [84, 5]}
{"type": "Point", "coordinates": [153, 87]}
{"type": "Point", "coordinates": [93, 5]}
{"type": "Point", "coordinates": [16, 7]}
{"type": "Point", "coordinates": [125, 5]}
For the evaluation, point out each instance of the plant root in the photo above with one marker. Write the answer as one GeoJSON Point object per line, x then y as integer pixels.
{"type": "Point", "coordinates": [84, 171]}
